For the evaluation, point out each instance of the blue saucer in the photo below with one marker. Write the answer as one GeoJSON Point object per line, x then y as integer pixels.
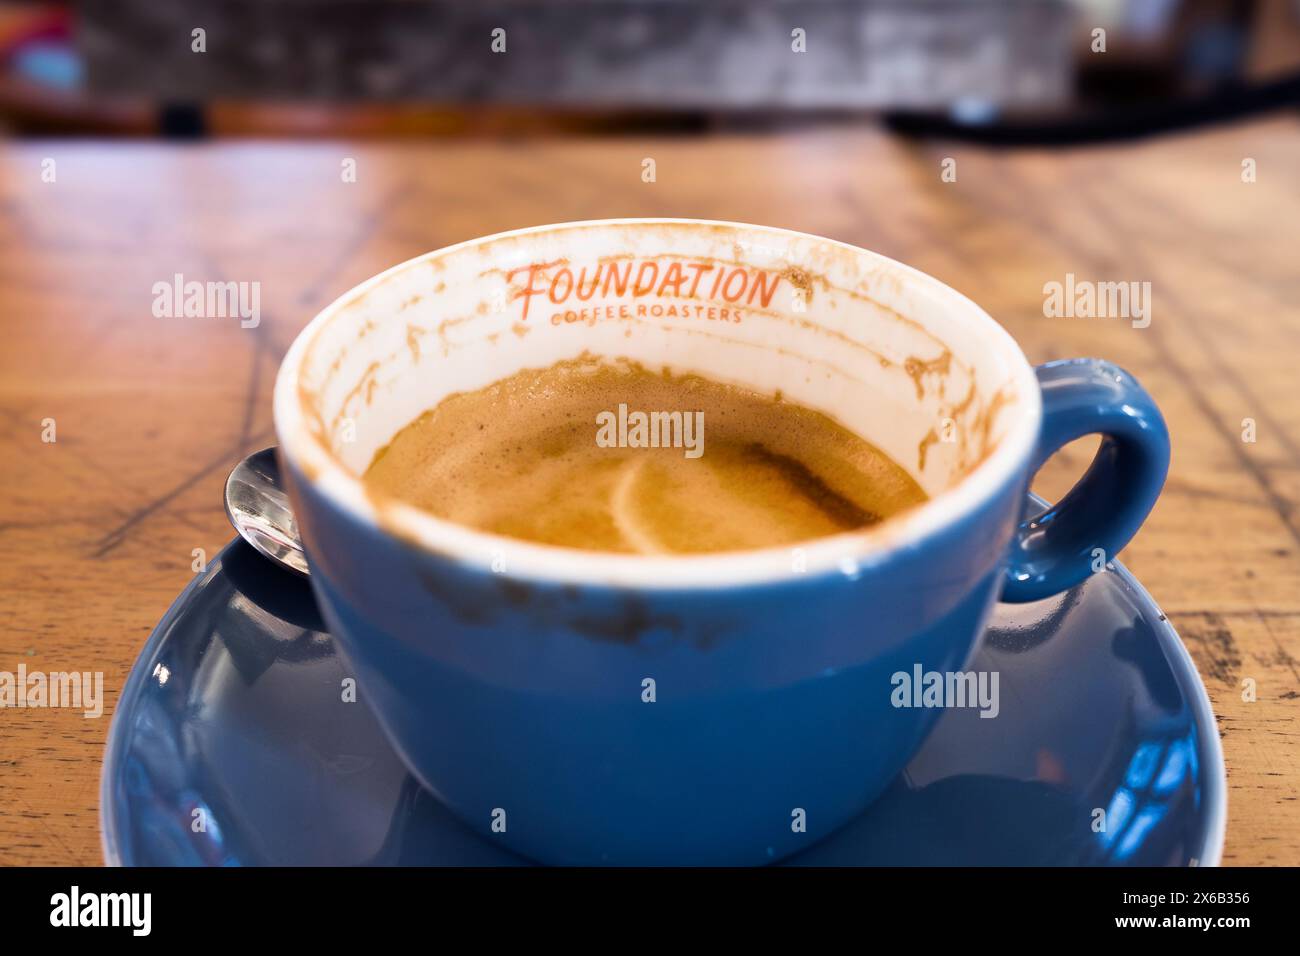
{"type": "Point", "coordinates": [229, 746]}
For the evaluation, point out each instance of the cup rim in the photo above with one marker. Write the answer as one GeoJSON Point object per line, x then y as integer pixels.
{"type": "Point", "coordinates": [850, 553]}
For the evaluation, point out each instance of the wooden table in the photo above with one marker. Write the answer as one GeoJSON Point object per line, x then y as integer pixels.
{"type": "Point", "coordinates": [98, 529]}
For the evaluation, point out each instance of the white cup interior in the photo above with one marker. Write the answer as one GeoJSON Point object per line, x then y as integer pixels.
{"type": "Point", "coordinates": [894, 355]}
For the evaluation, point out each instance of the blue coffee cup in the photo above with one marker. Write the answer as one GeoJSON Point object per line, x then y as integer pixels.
{"type": "Point", "coordinates": [593, 708]}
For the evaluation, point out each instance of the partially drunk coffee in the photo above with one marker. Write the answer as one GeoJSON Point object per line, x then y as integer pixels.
{"type": "Point", "coordinates": [608, 455]}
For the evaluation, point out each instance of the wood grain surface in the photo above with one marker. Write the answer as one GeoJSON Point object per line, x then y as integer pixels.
{"type": "Point", "coordinates": [98, 529]}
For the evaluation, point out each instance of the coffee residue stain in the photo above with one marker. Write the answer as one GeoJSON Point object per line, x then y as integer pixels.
{"type": "Point", "coordinates": [442, 328]}
{"type": "Point", "coordinates": [628, 623]}
{"type": "Point", "coordinates": [529, 267]}
{"type": "Point", "coordinates": [365, 386]}
{"type": "Point", "coordinates": [515, 592]}
{"type": "Point", "coordinates": [779, 350]}
{"type": "Point", "coordinates": [413, 333]}
{"type": "Point", "coordinates": [829, 253]}
{"type": "Point", "coordinates": [817, 329]}
{"type": "Point", "coordinates": [958, 410]}
{"type": "Point", "coordinates": [931, 437]}
{"type": "Point", "coordinates": [800, 279]}
{"type": "Point", "coordinates": [476, 601]}
{"type": "Point", "coordinates": [983, 424]}
{"type": "Point", "coordinates": [827, 256]}
{"type": "Point", "coordinates": [917, 368]}
{"type": "Point", "coordinates": [467, 606]}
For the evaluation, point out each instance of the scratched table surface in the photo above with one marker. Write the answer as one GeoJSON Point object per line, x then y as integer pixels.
{"type": "Point", "coordinates": [98, 528]}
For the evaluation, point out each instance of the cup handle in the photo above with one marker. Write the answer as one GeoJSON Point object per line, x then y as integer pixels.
{"type": "Point", "coordinates": [1060, 547]}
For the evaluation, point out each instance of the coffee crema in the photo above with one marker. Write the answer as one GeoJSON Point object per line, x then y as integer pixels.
{"type": "Point", "coordinates": [596, 454]}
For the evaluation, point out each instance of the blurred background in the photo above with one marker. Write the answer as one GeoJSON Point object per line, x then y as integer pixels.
{"type": "Point", "coordinates": [1016, 71]}
{"type": "Point", "coordinates": [305, 145]}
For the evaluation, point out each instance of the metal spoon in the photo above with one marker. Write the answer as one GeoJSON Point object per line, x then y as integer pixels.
{"type": "Point", "coordinates": [259, 509]}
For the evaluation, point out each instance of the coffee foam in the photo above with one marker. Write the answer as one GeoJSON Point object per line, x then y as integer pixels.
{"type": "Point", "coordinates": [521, 458]}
